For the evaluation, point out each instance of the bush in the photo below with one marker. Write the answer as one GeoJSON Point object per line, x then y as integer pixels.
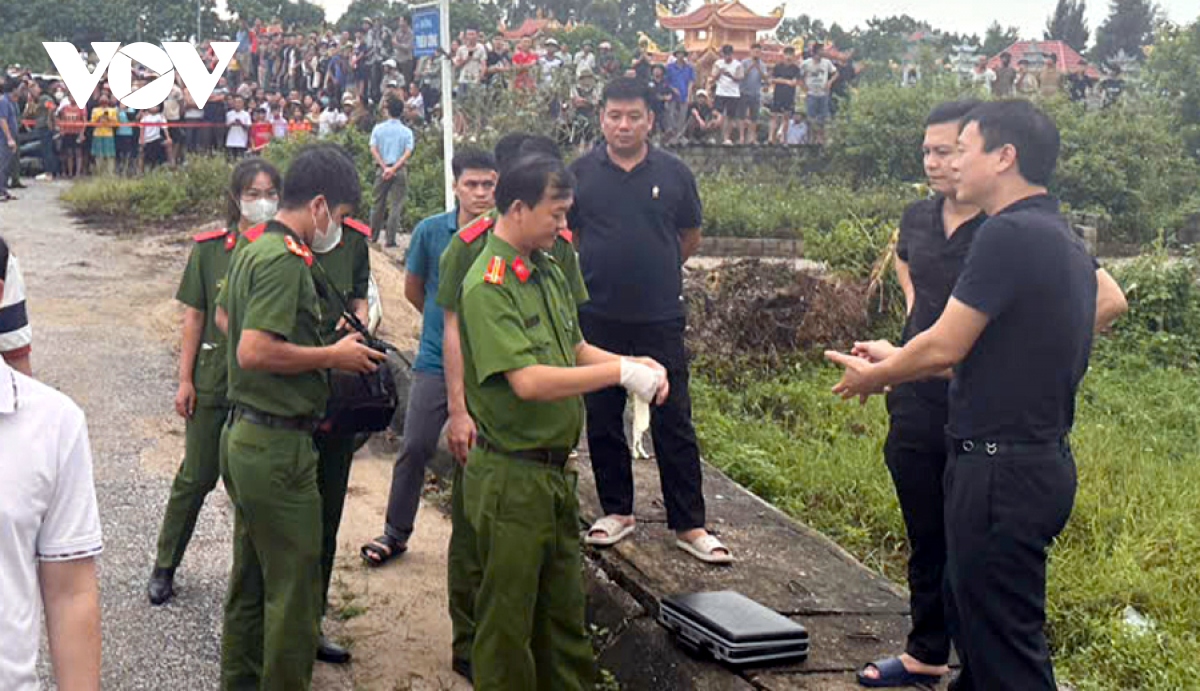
{"type": "Point", "coordinates": [736, 207]}
{"type": "Point", "coordinates": [1162, 327]}
{"type": "Point", "coordinates": [879, 134]}
{"type": "Point", "coordinates": [1129, 160]}
{"type": "Point", "coordinates": [199, 188]}
{"type": "Point", "coordinates": [196, 190]}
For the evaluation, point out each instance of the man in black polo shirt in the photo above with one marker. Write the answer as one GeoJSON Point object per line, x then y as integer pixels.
{"type": "Point", "coordinates": [1017, 330]}
{"type": "Point", "coordinates": [935, 235]}
{"type": "Point", "coordinates": [637, 218]}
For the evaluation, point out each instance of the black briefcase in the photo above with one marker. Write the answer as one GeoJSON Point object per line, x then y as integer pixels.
{"type": "Point", "coordinates": [732, 628]}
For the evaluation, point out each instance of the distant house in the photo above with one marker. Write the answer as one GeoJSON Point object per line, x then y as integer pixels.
{"type": "Point", "coordinates": [1036, 51]}
{"type": "Point", "coordinates": [534, 27]}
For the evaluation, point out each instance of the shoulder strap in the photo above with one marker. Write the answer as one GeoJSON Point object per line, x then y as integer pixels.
{"type": "Point", "coordinates": [209, 235]}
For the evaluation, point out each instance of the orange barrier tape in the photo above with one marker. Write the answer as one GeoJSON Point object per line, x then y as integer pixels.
{"type": "Point", "coordinates": [71, 124]}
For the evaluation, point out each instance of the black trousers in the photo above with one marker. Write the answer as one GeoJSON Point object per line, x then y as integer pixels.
{"type": "Point", "coordinates": [915, 453]}
{"type": "Point", "coordinates": [675, 447]}
{"type": "Point", "coordinates": [1004, 506]}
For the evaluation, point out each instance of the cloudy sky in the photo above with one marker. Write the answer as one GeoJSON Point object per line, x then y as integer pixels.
{"type": "Point", "coordinates": [963, 16]}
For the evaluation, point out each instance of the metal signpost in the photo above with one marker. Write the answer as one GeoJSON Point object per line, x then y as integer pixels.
{"type": "Point", "coordinates": [431, 37]}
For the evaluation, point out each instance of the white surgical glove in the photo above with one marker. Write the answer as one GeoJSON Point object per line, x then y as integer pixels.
{"type": "Point", "coordinates": [641, 423]}
{"type": "Point", "coordinates": [640, 380]}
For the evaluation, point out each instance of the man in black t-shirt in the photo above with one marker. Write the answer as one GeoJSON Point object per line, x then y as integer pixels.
{"type": "Point", "coordinates": [1017, 331]}
{"type": "Point", "coordinates": [499, 64]}
{"type": "Point", "coordinates": [703, 121]}
{"type": "Point", "coordinates": [935, 236]}
{"type": "Point", "coordinates": [847, 72]}
{"type": "Point", "coordinates": [785, 77]}
{"type": "Point", "coordinates": [1078, 82]}
{"type": "Point", "coordinates": [1112, 86]}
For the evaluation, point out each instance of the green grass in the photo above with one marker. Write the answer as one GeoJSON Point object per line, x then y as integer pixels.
{"type": "Point", "coordinates": [1133, 539]}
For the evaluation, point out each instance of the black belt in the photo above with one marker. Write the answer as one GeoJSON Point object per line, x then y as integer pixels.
{"type": "Point", "coordinates": [993, 448]}
{"type": "Point", "coordinates": [553, 457]}
{"type": "Point", "coordinates": [258, 417]}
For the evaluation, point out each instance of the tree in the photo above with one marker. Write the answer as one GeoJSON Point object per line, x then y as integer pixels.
{"type": "Point", "coordinates": [889, 38]}
{"type": "Point", "coordinates": [1173, 68]}
{"type": "Point", "coordinates": [998, 38]}
{"type": "Point", "coordinates": [1067, 24]}
{"type": "Point", "coordinates": [293, 13]}
{"type": "Point", "coordinates": [801, 27]}
{"type": "Point", "coordinates": [1129, 26]}
{"type": "Point", "coordinates": [358, 10]}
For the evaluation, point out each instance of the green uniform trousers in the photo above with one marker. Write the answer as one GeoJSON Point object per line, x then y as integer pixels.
{"type": "Point", "coordinates": [333, 476]}
{"type": "Point", "coordinates": [463, 569]}
{"type": "Point", "coordinates": [529, 612]}
{"type": "Point", "coordinates": [274, 600]}
{"type": "Point", "coordinates": [197, 477]}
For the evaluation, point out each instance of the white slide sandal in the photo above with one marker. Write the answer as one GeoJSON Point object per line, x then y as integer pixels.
{"type": "Point", "coordinates": [705, 549]}
{"type": "Point", "coordinates": [614, 531]}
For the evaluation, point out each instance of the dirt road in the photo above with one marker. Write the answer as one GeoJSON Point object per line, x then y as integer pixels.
{"type": "Point", "coordinates": [105, 330]}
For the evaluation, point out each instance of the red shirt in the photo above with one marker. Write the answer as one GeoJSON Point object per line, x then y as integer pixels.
{"type": "Point", "coordinates": [68, 116]}
{"type": "Point", "coordinates": [524, 81]}
{"type": "Point", "coordinates": [260, 134]}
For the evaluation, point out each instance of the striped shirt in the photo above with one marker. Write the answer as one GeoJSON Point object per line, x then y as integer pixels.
{"type": "Point", "coordinates": [15, 333]}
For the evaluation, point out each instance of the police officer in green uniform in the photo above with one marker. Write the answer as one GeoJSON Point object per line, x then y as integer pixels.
{"type": "Point", "coordinates": [464, 248]}
{"type": "Point", "coordinates": [526, 367]}
{"type": "Point", "coordinates": [277, 392]}
{"type": "Point", "coordinates": [253, 196]}
{"type": "Point", "coordinates": [342, 262]}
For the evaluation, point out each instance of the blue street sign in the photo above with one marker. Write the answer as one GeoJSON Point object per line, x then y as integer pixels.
{"type": "Point", "coordinates": [426, 31]}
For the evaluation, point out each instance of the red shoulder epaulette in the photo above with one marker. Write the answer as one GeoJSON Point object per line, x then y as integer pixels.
{"type": "Point", "coordinates": [567, 235]}
{"type": "Point", "coordinates": [255, 232]}
{"type": "Point", "coordinates": [210, 235]}
{"type": "Point", "coordinates": [299, 249]}
{"type": "Point", "coordinates": [358, 225]}
{"type": "Point", "coordinates": [476, 228]}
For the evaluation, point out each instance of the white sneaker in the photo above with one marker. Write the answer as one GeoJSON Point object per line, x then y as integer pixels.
{"type": "Point", "coordinates": [42, 177]}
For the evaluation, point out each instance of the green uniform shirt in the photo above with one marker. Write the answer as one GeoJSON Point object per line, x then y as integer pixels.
{"type": "Point", "coordinates": [203, 278]}
{"type": "Point", "coordinates": [347, 268]}
{"type": "Point", "coordinates": [270, 288]}
{"type": "Point", "coordinates": [460, 255]}
{"type": "Point", "coordinates": [510, 324]}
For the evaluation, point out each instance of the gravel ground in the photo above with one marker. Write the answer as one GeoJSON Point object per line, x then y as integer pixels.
{"type": "Point", "coordinates": [90, 299]}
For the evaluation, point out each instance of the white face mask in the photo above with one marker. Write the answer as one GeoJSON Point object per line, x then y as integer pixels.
{"type": "Point", "coordinates": [259, 210]}
{"type": "Point", "coordinates": [328, 238]}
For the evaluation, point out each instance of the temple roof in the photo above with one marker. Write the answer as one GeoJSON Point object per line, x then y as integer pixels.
{"type": "Point", "coordinates": [529, 28]}
{"type": "Point", "coordinates": [1068, 57]}
{"type": "Point", "coordinates": [727, 15]}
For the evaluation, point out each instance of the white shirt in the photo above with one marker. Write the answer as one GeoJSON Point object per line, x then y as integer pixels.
{"type": "Point", "coordinates": [238, 134]}
{"type": "Point", "coordinates": [15, 332]}
{"type": "Point", "coordinates": [47, 510]}
{"type": "Point", "coordinates": [817, 76]}
{"type": "Point", "coordinates": [473, 61]}
{"type": "Point", "coordinates": [584, 60]}
{"type": "Point", "coordinates": [153, 134]}
{"type": "Point", "coordinates": [984, 79]}
{"type": "Point", "coordinates": [728, 75]}
{"type": "Point", "coordinates": [549, 65]}
{"type": "Point", "coordinates": [797, 133]}
{"type": "Point", "coordinates": [330, 121]}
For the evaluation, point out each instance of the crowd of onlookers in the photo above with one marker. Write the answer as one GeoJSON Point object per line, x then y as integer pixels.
{"type": "Point", "coordinates": [282, 83]}
{"type": "Point", "coordinates": [1025, 81]}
